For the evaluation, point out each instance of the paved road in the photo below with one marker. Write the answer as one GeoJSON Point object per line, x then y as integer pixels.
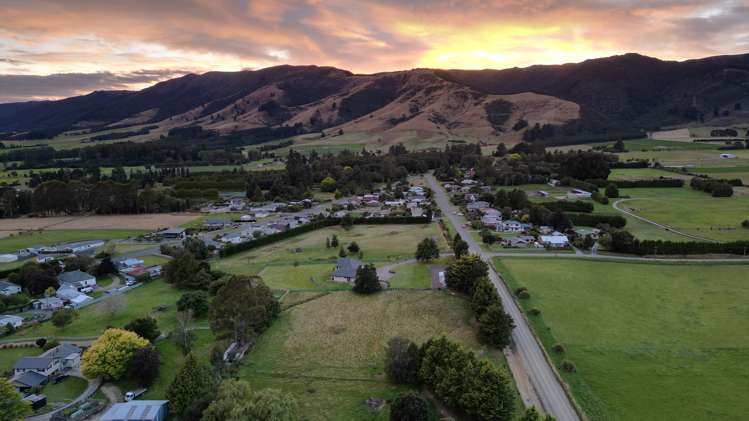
{"type": "Point", "coordinates": [536, 379]}
{"type": "Point", "coordinates": [665, 227]}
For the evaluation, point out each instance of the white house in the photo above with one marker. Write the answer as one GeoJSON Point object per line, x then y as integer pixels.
{"type": "Point", "coordinates": [580, 194]}
{"type": "Point", "coordinates": [77, 279]}
{"type": "Point", "coordinates": [51, 304]}
{"type": "Point", "coordinates": [555, 240]}
{"type": "Point", "coordinates": [8, 319]}
{"type": "Point", "coordinates": [510, 226]}
{"type": "Point", "coordinates": [128, 263]}
{"type": "Point", "coordinates": [9, 288]}
{"type": "Point", "coordinates": [70, 294]}
{"type": "Point", "coordinates": [45, 366]}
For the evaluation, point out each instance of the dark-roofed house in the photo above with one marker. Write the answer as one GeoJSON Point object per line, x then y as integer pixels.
{"type": "Point", "coordinates": [77, 279]}
{"type": "Point", "coordinates": [45, 366]}
{"type": "Point", "coordinates": [67, 355]}
{"type": "Point", "coordinates": [29, 380]}
{"type": "Point", "coordinates": [345, 270]}
{"type": "Point", "coordinates": [137, 411]}
{"type": "Point", "coordinates": [172, 233]}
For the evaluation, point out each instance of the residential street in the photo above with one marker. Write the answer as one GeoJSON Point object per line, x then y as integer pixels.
{"type": "Point", "coordinates": [536, 379]}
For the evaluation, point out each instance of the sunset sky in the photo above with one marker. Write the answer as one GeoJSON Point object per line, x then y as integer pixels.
{"type": "Point", "coordinates": [52, 49]}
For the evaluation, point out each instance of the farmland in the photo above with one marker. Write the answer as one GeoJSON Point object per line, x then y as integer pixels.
{"type": "Point", "coordinates": [304, 262]}
{"type": "Point", "coordinates": [328, 352]}
{"type": "Point", "coordinates": [143, 222]}
{"type": "Point", "coordinates": [30, 238]}
{"type": "Point", "coordinates": [676, 354]}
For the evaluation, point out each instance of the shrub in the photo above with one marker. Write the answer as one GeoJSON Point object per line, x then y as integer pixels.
{"type": "Point", "coordinates": [41, 342]}
{"type": "Point", "coordinates": [598, 197]}
{"type": "Point", "coordinates": [558, 348]}
{"type": "Point", "coordinates": [197, 301]}
{"type": "Point", "coordinates": [745, 223]}
{"type": "Point", "coordinates": [523, 295]}
{"type": "Point", "coordinates": [568, 366]}
{"type": "Point", "coordinates": [50, 344]}
{"type": "Point", "coordinates": [409, 407]}
{"type": "Point", "coordinates": [534, 312]}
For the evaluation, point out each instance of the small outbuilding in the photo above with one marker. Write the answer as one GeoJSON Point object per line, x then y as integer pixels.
{"type": "Point", "coordinates": [137, 411]}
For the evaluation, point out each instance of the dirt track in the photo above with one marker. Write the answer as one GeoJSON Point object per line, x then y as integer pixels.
{"type": "Point", "coordinates": [142, 221]}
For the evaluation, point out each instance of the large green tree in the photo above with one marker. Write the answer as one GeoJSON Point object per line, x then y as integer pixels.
{"type": "Point", "coordinates": [193, 380]}
{"type": "Point", "coordinates": [495, 326]}
{"type": "Point", "coordinates": [237, 401]}
{"type": "Point", "coordinates": [409, 407]}
{"type": "Point", "coordinates": [402, 361]}
{"type": "Point", "coordinates": [427, 250]}
{"type": "Point", "coordinates": [463, 273]}
{"type": "Point", "coordinates": [243, 307]}
{"type": "Point", "coordinates": [145, 327]}
{"type": "Point", "coordinates": [110, 354]}
{"type": "Point", "coordinates": [460, 247]}
{"type": "Point", "coordinates": [366, 281]}
{"type": "Point", "coordinates": [143, 367]}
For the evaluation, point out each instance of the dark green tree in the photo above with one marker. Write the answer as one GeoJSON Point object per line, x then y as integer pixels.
{"type": "Point", "coordinates": [495, 326]}
{"type": "Point", "coordinates": [427, 250]}
{"type": "Point", "coordinates": [243, 308]}
{"type": "Point", "coordinates": [484, 295]}
{"type": "Point", "coordinates": [197, 301]}
{"type": "Point", "coordinates": [334, 241]}
{"type": "Point", "coordinates": [342, 252]}
{"type": "Point", "coordinates": [192, 381]}
{"type": "Point", "coordinates": [402, 361]}
{"type": "Point", "coordinates": [366, 281]}
{"type": "Point", "coordinates": [143, 367]}
{"type": "Point", "coordinates": [409, 407]}
{"type": "Point", "coordinates": [145, 327]}
{"type": "Point", "coordinates": [463, 273]}
{"type": "Point", "coordinates": [612, 191]}
{"type": "Point", "coordinates": [460, 247]}
{"type": "Point", "coordinates": [353, 247]}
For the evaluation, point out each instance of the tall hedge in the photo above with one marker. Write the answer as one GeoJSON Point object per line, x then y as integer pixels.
{"type": "Point", "coordinates": [312, 226]}
{"type": "Point", "coordinates": [592, 220]}
{"type": "Point", "coordinates": [646, 183]}
{"type": "Point", "coordinates": [566, 206]}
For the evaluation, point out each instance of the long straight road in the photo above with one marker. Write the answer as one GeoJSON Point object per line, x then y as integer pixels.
{"type": "Point", "coordinates": [536, 379]}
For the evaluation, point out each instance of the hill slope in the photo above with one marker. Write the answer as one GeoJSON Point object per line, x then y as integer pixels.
{"type": "Point", "coordinates": [615, 94]}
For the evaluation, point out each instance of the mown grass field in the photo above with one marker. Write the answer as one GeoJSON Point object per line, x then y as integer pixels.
{"type": "Point", "coordinates": [328, 352]}
{"type": "Point", "coordinates": [65, 391]}
{"type": "Point", "coordinates": [304, 262]}
{"type": "Point", "coordinates": [412, 275]}
{"type": "Point", "coordinates": [139, 302]}
{"type": "Point", "coordinates": [49, 237]}
{"type": "Point", "coordinates": [650, 341]}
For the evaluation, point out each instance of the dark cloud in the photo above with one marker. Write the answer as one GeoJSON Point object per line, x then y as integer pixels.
{"type": "Point", "coordinates": [26, 87]}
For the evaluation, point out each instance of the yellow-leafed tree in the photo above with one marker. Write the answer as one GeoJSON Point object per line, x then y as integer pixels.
{"type": "Point", "coordinates": [109, 355]}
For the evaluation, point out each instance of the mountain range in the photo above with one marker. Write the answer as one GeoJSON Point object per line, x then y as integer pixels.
{"type": "Point", "coordinates": [622, 94]}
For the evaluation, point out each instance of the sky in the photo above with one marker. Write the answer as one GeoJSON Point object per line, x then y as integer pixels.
{"type": "Point", "coordinates": [54, 49]}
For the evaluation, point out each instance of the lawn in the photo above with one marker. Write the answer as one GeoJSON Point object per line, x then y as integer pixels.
{"type": "Point", "coordinates": [120, 249]}
{"type": "Point", "coordinates": [642, 174]}
{"type": "Point", "coordinates": [411, 275]}
{"type": "Point", "coordinates": [690, 211]}
{"type": "Point", "coordinates": [154, 260]}
{"type": "Point", "coordinates": [139, 302]}
{"type": "Point", "coordinates": [650, 341]}
{"type": "Point", "coordinates": [328, 352]}
{"type": "Point", "coordinates": [9, 356]}
{"type": "Point", "coordinates": [48, 237]}
{"type": "Point", "coordinates": [65, 391]}
{"type": "Point", "coordinates": [292, 262]}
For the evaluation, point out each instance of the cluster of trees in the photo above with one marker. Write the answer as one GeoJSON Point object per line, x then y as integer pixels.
{"type": "Point", "coordinates": [593, 220]}
{"type": "Point", "coordinates": [624, 242]}
{"type": "Point", "coordinates": [36, 278]}
{"type": "Point", "coordinates": [243, 308]}
{"type": "Point", "coordinates": [455, 375]}
{"type": "Point", "coordinates": [717, 188]}
{"type": "Point", "coordinates": [664, 182]}
{"type": "Point", "coordinates": [119, 354]}
{"type": "Point", "coordinates": [470, 275]}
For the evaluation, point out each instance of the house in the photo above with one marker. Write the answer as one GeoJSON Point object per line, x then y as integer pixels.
{"type": "Point", "coordinates": [522, 241]}
{"type": "Point", "coordinates": [80, 246]}
{"type": "Point", "coordinates": [49, 304]}
{"type": "Point", "coordinates": [345, 270]}
{"type": "Point", "coordinates": [232, 238]}
{"type": "Point", "coordinates": [9, 288]}
{"type": "Point", "coordinates": [45, 366]}
{"type": "Point", "coordinates": [124, 264]}
{"type": "Point", "coordinates": [468, 182]}
{"type": "Point", "coordinates": [29, 380]}
{"type": "Point", "coordinates": [555, 240]}
{"type": "Point", "coordinates": [136, 410]}
{"type": "Point", "coordinates": [510, 226]}
{"type": "Point", "coordinates": [395, 203]}
{"type": "Point", "coordinates": [237, 203]}
{"type": "Point", "coordinates": [477, 206]}
{"type": "Point", "coordinates": [154, 271]}
{"type": "Point", "coordinates": [172, 233]}
{"type": "Point", "coordinates": [491, 221]}
{"type": "Point", "coordinates": [580, 194]}
{"type": "Point", "coordinates": [214, 223]}
{"type": "Point", "coordinates": [70, 294]}
{"type": "Point", "coordinates": [77, 279]}
{"type": "Point", "coordinates": [417, 212]}
{"type": "Point", "coordinates": [8, 319]}
{"type": "Point", "coordinates": [67, 356]}
{"type": "Point", "coordinates": [45, 259]}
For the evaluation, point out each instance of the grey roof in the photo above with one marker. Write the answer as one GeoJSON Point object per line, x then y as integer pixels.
{"type": "Point", "coordinates": [215, 222]}
{"type": "Point", "coordinates": [346, 267]}
{"type": "Point", "coordinates": [33, 363]}
{"type": "Point", "coordinates": [169, 231]}
{"type": "Point", "coordinates": [30, 379]}
{"type": "Point", "coordinates": [134, 411]}
{"type": "Point", "coordinates": [63, 351]}
{"type": "Point", "coordinates": [6, 284]}
{"type": "Point", "coordinates": [73, 277]}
